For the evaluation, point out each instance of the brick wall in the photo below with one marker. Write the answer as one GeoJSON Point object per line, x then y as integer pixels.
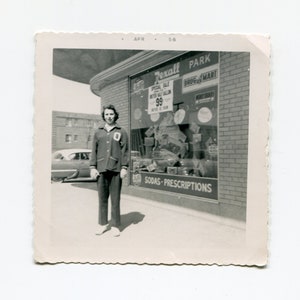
{"type": "Point", "coordinates": [233, 127]}
{"type": "Point", "coordinates": [117, 95]}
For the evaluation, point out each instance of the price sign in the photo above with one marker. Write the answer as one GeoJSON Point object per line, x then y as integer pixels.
{"type": "Point", "coordinates": [160, 97]}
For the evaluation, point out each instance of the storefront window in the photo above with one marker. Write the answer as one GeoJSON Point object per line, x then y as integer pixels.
{"type": "Point", "coordinates": [174, 126]}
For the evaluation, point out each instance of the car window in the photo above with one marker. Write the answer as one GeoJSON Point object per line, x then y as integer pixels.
{"type": "Point", "coordinates": [74, 156]}
{"type": "Point", "coordinates": [85, 156]}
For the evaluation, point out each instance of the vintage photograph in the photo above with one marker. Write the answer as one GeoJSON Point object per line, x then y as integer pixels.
{"type": "Point", "coordinates": [151, 149]}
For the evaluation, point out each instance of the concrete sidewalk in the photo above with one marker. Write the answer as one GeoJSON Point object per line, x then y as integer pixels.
{"type": "Point", "coordinates": [151, 232]}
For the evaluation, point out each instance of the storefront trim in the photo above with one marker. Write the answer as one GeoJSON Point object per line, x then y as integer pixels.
{"type": "Point", "coordinates": [172, 195]}
{"type": "Point", "coordinates": [133, 65]}
{"type": "Point", "coordinates": [210, 206]}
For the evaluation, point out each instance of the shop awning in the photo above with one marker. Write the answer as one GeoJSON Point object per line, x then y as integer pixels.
{"type": "Point", "coordinates": [82, 64]}
{"type": "Point", "coordinates": [137, 63]}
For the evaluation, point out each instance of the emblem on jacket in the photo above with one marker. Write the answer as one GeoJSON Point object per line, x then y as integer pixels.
{"type": "Point", "coordinates": [117, 136]}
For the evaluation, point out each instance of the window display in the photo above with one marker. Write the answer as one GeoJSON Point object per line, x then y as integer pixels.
{"type": "Point", "coordinates": [174, 125]}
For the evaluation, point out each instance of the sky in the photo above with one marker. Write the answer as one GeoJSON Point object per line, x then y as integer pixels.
{"type": "Point", "coordinates": [72, 96]}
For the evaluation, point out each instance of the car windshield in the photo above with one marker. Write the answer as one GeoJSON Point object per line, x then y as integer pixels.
{"type": "Point", "coordinates": [79, 156]}
{"type": "Point", "coordinates": [71, 156]}
{"type": "Point", "coordinates": [74, 156]}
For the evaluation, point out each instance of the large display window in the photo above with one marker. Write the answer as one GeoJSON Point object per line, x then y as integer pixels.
{"type": "Point", "coordinates": [174, 126]}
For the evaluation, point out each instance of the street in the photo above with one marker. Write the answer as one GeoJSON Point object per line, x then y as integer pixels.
{"type": "Point", "coordinates": [151, 232]}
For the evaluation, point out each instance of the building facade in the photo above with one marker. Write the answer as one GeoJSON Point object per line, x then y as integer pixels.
{"type": "Point", "coordinates": [187, 115]}
{"type": "Point", "coordinates": [73, 130]}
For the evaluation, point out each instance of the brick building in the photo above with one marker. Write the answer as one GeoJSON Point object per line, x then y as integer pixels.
{"type": "Point", "coordinates": [73, 130]}
{"type": "Point", "coordinates": [187, 117]}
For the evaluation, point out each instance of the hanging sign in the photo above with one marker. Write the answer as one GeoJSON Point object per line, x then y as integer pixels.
{"type": "Point", "coordinates": [204, 115]}
{"type": "Point", "coordinates": [160, 97]}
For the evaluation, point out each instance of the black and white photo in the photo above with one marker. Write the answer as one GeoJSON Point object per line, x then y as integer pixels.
{"type": "Point", "coordinates": [176, 174]}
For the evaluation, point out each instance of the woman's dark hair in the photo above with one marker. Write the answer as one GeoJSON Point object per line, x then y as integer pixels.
{"type": "Point", "coordinates": [110, 106]}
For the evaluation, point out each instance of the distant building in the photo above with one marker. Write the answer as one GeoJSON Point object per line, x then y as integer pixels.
{"type": "Point", "coordinates": [73, 130]}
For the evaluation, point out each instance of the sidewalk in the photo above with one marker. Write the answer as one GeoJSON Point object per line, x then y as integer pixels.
{"type": "Point", "coordinates": [151, 232]}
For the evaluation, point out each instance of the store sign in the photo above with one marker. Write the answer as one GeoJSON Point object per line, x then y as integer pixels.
{"type": "Point", "coordinates": [195, 186]}
{"type": "Point", "coordinates": [167, 74]}
{"type": "Point", "coordinates": [200, 79]}
{"type": "Point", "coordinates": [203, 60]}
{"type": "Point", "coordinates": [160, 97]}
{"type": "Point", "coordinates": [204, 98]}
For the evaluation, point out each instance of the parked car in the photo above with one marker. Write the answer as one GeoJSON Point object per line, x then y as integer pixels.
{"type": "Point", "coordinates": [70, 164]}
